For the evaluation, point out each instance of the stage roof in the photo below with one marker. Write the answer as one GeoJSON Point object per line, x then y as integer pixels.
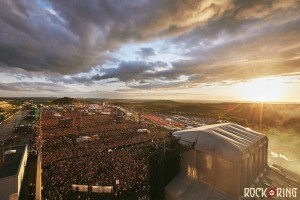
{"type": "Point", "coordinates": [229, 140]}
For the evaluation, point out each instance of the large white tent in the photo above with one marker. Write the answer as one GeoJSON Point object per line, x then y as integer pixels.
{"type": "Point", "coordinates": [226, 157]}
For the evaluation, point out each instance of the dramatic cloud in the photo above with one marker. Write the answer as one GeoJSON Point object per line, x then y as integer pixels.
{"type": "Point", "coordinates": [72, 36]}
{"type": "Point", "coordinates": [128, 71]}
{"type": "Point", "coordinates": [31, 86]}
{"type": "Point", "coordinates": [146, 44]}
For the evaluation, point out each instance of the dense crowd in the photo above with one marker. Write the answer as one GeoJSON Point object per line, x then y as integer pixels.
{"type": "Point", "coordinates": [117, 157]}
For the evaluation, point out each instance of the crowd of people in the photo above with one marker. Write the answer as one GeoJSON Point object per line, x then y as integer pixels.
{"type": "Point", "coordinates": [117, 157]}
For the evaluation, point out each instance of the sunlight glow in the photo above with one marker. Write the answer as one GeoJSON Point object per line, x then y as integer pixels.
{"type": "Point", "coordinates": [263, 89]}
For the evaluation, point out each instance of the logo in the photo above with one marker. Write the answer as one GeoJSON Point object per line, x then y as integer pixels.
{"type": "Point", "coordinates": [270, 192]}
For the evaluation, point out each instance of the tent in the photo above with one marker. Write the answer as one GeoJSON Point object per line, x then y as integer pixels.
{"type": "Point", "coordinates": [57, 115]}
{"type": "Point", "coordinates": [102, 189]}
{"type": "Point", "coordinates": [80, 188]}
{"type": "Point", "coordinates": [9, 152]}
{"type": "Point", "coordinates": [143, 130]}
{"type": "Point", "coordinates": [83, 139]}
{"type": "Point", "coordinates": [94, 107]}
{"type": "Point", "coordinates": [228, 157]}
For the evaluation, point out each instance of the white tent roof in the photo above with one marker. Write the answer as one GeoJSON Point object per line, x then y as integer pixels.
{"type": "Point", "coordinates": [230, 140]}
{"type": "Point", "coordinates": [94, 107]}
{"type": "Point", "coordinates": [9, 152]}
{"type": "Point", "coordinates": [83, 138]}
{"type": "Point", "coordinates": [57, 115]}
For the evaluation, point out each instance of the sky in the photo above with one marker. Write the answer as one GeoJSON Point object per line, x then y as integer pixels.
{"type": "Point", "coordinates": [225, 50]}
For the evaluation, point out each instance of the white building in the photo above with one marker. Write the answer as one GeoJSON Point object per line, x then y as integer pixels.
{"type": "Point", "coordinates": [12, 173]}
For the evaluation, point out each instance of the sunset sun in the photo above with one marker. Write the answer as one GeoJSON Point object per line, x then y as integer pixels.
{"type": "Point", "coordinates": [263, 90]}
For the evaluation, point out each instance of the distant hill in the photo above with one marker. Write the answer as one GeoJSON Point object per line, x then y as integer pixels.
{"type": "Point", "coordinates": [161, 102]}
{"type": "Point", "coordinates": [64, 100]}
{"type": "Point", "coordinates": [69, 100]}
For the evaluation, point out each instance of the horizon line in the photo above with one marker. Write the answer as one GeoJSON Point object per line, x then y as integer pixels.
{"type": "Point", "coordinates": [175, 100]}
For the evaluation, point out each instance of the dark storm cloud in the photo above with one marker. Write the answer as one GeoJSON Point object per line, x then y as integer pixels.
{"type": "Point", "coordinates": [72, 36]}
{"type": "Point", "coordinates": [36, 40]}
